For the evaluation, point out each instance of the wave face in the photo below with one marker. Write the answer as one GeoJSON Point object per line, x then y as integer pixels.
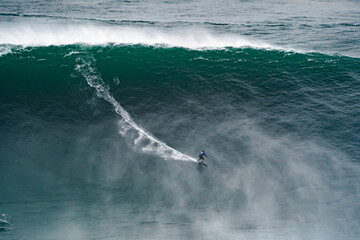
{"type": "Point", "coordinates": [86, 129]}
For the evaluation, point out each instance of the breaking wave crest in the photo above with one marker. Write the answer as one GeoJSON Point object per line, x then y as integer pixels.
{"type": "Point", "coordinates": [191, 38]}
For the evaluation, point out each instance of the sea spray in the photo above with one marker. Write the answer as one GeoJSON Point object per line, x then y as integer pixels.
{"type": "Point", "coordinates": [191, 38]}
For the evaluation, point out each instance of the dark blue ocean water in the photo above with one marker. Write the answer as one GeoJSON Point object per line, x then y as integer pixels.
{"type": "Point", "coordinates": [105, 106]}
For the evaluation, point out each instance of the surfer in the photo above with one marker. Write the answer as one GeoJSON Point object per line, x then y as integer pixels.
{"type": "Point", "coordinates": [201, 158]}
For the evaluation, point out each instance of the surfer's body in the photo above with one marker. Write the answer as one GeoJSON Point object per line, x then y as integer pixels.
{"type": "Point", "coordinates": [201, 157]}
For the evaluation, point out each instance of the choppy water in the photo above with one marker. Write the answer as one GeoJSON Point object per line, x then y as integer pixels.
{"type": "Point", "coordinates": [105, 106]}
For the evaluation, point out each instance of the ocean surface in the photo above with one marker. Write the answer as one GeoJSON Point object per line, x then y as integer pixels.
{"type": "Point", "coordinates": [105, 106]}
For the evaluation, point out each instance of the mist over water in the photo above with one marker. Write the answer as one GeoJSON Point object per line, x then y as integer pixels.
{"type": "Point", "coordinates": [105, 110]}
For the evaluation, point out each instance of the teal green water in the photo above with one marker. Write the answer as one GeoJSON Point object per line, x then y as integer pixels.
{"type": "Point", "coordinates": [306, 94]}
{"type": "Point", "coordinates": [105, 106]}
{"type": "Point", "coordinates": [280, 129]}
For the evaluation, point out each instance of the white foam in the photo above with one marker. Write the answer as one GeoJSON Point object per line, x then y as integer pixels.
{"type": "Point", "coordinates": [71, 53]}
{"type": "Point", "coordinates": [5, 50]}
{"type": "Point", "coordinates": [143, 140]}
{"type": "Point", "coordinates": [193, 38]}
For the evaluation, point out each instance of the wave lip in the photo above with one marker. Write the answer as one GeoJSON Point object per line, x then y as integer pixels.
{"type": "Point", "coordinates": [191, 38]}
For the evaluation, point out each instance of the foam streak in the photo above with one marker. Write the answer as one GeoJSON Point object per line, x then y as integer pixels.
{"type": "Point", "coordinates": [144, 141]}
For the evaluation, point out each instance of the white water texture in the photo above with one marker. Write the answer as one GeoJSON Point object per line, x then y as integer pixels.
{"type": "Point", "coordinates": [139, 138]}
{"type": "Point", "coordinates": [192, 38]}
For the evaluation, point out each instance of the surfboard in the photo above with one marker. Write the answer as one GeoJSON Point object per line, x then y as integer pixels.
{"type": "Point", "coordinates": [200, 164]}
